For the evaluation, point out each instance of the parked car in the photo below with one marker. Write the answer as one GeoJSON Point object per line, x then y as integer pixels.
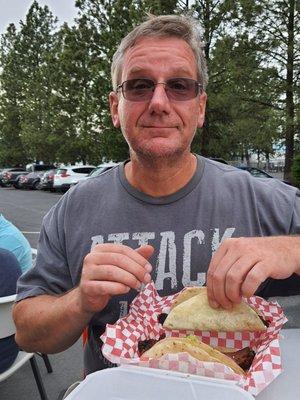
{"type": "Point", "coordinates": [220, 160]}
{"type": "Point", "coordinates": [66, 176]}
{"type": "Point", "coordinates": [9, 175]}
{"type": "Point", "coordinates": [259, 173]}
{"type": "Point", "coordinates": [16, 183]}
{"type": "Point", "coordinates": [32, 180]}
{"type": "Point", "coordinates": [29, 181]}
{"type": "Point", "coordinates": [97, 171]}
{"type": "Point", "coordinates": [47, 180]}
{"type": "Point", "coordinates": [37, 167]}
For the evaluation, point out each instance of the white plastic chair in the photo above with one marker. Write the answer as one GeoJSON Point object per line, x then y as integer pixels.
{"type": "Point", "coordinates": [34, 254]}
{"type": "Point", "coordinates": [7, 328]}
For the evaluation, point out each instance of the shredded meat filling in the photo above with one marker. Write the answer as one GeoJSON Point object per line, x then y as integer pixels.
{"type": "Point", "coordinates": [243, 357]}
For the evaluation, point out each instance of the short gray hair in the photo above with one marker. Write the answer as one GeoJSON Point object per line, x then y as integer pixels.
{"type": "Point", "coordinates": [180, 26]}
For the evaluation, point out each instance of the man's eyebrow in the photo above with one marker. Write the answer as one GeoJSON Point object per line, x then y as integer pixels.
{"type": "Point", "coordinates": [136, 70]}
{"type": "Point", "coordinates": [176, 71]}
{"type": "Point", "coordinates": [181, 71]}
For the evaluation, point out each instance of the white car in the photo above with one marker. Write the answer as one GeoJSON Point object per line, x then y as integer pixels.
{"type": "Point", "coordinates": [98, 170]}
{"type": "Point", "coordinates": [67, 176]}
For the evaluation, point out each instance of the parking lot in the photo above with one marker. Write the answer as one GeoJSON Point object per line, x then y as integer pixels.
{"type": "Point", "coordinates": [26, 209]}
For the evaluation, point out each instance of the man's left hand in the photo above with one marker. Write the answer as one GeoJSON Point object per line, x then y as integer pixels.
{"type": "Point", "coordinates": [240, 265]}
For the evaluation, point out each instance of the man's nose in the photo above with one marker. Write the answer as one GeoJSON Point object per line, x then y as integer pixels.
{"type": "Point", "coordinates": [160, 102]}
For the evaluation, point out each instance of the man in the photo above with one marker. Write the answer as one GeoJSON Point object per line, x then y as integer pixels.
{"type": "Point", "coordinates": [12, 239]}
{"type": "Point", "coordinates": [162, 215]}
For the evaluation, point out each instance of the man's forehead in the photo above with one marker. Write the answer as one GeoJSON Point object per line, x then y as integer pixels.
{"type": "Point", "coordinates": [163, 44]}
{"type": "Point", "coordinates": [154, 51]}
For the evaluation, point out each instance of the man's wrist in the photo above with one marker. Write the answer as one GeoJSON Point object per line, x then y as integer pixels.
{"type": "Point", "coordinates": [75, 306]}
{"type": "Point", "coordinates": [296, 248]}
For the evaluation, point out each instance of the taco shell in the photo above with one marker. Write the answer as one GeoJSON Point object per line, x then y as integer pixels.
{"type": "Point", "coordinates": [194, 347]}
{"type": "Point", "coordinates": [186, 294]}
{"type": "Point", "coordinates": [195, 313]}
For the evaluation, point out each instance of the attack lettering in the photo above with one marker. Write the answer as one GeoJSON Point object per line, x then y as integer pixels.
{"type": "Point", "coordinates": [172, 252]}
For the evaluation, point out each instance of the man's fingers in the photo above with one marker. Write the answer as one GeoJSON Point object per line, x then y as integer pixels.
{"type": "Point", "coordinates": [145, 251]}
{"type": "Point", "coordinates": [94, 289]}
{"type": "Point", "coordinates": [113, 269]}
{"type": "Point", "coordinates": [97, 262]}
{"type": "Point", "coordinates": [135, 255]}
{"type": "Point", "coordinates": [240, 265]}
{"type": "Point", "coordinates": [217, 257]}
{"type": "Point", "coordinates": [216, 275]}
{"type": "Point", "coordinates": [112, 273]}
{"type": "Point", "coordinates": [256, 275]}
{"type": "Point", "coordinates": [210, 275]}
{"type": "Point", "coordinates": [235, 277]}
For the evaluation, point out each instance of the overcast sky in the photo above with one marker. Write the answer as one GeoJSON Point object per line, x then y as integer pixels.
{"type": "Point", "coordinates": [16, 10]}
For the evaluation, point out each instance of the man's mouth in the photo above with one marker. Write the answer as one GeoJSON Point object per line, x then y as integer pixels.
{"type": "Point", "coordinates": [159, 127]}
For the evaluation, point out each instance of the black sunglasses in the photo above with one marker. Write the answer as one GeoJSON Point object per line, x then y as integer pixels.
{"type": "Point", "coordinates": [142, 89]}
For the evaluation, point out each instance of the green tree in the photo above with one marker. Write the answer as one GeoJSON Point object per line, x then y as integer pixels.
{"type": "Point", "coordinates": [10, 98]}
{"type": "Point", "coordinates": [273, 28]}
{"type": "Point", "coordinates": [214, 16]}
{"type": "Point", "coordinates": [76, 112]}
{"type": "Point", "coordinates": [35, 46]}
{"type": "Point", "coordinates": [296, 169]}
{"type": "Point", "coordinates": [241, 100]}
{"type": "Point", "coordinates": [276, 26]}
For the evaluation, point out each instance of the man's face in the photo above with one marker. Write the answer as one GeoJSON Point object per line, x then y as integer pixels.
{"type": "Point", "coordinates": [158, 127]}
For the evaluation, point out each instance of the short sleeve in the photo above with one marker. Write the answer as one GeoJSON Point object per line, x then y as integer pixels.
{"type": "Point", "coordinates": [295, 224]}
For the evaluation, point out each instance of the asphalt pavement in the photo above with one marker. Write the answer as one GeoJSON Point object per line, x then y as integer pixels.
{"type": "Point", "coordinates": [26, 210]}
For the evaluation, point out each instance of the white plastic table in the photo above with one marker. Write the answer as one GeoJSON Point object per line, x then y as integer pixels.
{"type": "Point", "coordinates": [287, 385]}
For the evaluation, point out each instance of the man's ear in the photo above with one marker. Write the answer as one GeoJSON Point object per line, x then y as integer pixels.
{"type": "Point", "coordinates": [202, 105]}
{"type": "Point", "coordinates": [113, 104]}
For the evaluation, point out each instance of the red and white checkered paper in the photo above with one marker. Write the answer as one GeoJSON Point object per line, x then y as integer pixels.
{"type": "Point", "coordinates": [120, 341]}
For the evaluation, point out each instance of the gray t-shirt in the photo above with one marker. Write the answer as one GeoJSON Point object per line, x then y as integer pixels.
{"type": "Point", "coordinates": [184, 228]}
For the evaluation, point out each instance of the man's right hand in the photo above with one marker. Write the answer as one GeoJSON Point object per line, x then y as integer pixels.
{"type": "Point", "coordinates": [110, 270]}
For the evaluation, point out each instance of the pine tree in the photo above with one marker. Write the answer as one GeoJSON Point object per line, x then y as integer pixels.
{"type": "Point", "coordinates": [34, 45]}
{"type": "Point", "coordinates": [276, 26]}
{"type": "Point", "coordinates": [214, 16]}
{"type": "Point", "coordinates": [11, 147]}
{"type": "Point", "coordinates": [296, 169]}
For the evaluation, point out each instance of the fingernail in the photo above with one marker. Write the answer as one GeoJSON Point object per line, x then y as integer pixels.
{"type": "Point", "coordinates": [138, 286]}
{"type": "Point", "coordinates": [214, 304]}
{"type": "Point", "coordinates": [148, 267]}
{"type": "Point", "coordinates": [147, 278]}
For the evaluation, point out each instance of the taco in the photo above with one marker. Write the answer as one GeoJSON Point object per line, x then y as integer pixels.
{"type": "Point", "coordinates": [194, 347]}
{"type": "Point", "coordinates": [191, 311]}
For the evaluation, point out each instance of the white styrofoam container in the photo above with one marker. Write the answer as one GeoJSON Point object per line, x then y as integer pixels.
{"type": "Point", "coordinates": [140, 383]}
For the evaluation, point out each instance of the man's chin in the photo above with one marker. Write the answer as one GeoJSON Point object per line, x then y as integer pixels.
{"type": "Point", "coordinates": [159, 153]}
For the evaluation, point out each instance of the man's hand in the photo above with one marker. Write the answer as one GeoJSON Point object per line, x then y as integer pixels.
{"type": "Point", "coordinates": [240, 265]}
{"type": "Point", "coordinates": [110, 270]}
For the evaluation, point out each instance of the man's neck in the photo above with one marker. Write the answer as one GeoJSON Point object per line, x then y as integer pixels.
{"type": "Point", "coordinates": [159, 178]}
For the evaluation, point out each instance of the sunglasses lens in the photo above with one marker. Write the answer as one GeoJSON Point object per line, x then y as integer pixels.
{"type": "Point", "coordinates": [181, 89]}
{"type": "Point", "coordinates": [178, 89]}
{"type": "Point", "coordinates": [138, 89]}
